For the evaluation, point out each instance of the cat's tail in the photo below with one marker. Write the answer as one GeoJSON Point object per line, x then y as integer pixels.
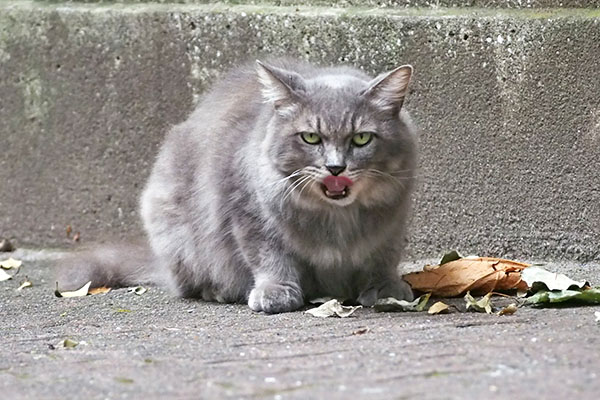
{"type": "Point", "coordinates": [117, 265]}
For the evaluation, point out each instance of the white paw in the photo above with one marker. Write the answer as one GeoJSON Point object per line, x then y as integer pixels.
{"type": "Point", "coordinates": [275, 298]}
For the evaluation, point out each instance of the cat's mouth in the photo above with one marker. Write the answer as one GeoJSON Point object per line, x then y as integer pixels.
{"type": "Point", "coordinates": [336, 187]}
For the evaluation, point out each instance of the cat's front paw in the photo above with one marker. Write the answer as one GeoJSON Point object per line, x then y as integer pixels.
{"type": "Point", "coordinates": [398, 289]}
{"type": "Point", "coordinates": [274, 298]}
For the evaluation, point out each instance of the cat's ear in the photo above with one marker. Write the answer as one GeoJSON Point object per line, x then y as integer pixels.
{"type": "Point", "coordinates": [280, 87]}
{"type": "Point", "coordinates": [388, 90]}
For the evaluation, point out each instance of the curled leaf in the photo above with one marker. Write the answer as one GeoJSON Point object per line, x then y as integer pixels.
{"type": "Point", "coordinates": [11, 263]}
{"type": "Point", "coordinates": [99, 290]}
{"type": "Point", "coordinates": [439, 308]}
{"type": "Point", "coordinates": [590, 296]}
{"type": "Point", "coordinates": [26, 283]}
{"type": "Point", "coordinates": [69, 343]}
{"type": "Point", "coordinates": [477, 275]}
{"type": "Point", "coordinates": [509, 309]}
{"type": "Point", "coordinates": [139, 290]}
{"type": "Point", "coordinates": [482, 305]}
{"type": "Point", "coordinates": [76, 293]}
{"type": "Point", "coordinates": [4, 276]}
{"type": "Point", "coordinates": [332, 308]}
{"type": "Point", "coordinates": [539, 279]}
{"type": "Point", "coordinates": [391, 304]}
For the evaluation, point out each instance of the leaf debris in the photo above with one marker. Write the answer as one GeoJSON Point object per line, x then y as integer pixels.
{"type": "Point", "coordinates": [439, 308]}
{"type": "Point", "coordinates": [25, 284]}
{"type": "Point", "coordinates": [478, 275]}
{"type": "Point", "coordinates": [11, 263]}
{"type": "Point", "coordinates": [4, 276]}
{"type": "Point", "coordinates": [139, 290]}
{"type": "Point", "coordinates": [76, 293]}
{"type": "Point", "coordinates": [391, 304]}
{"type": "Point", "coordinates": [482, 305]}
{"type": "Point", "coordinates": [332, 308]}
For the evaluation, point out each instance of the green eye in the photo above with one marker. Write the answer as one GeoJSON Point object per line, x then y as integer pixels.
{"type": "Point", "coordinates": [311, 137]}
{"type": "Point", "coordinates": [362, 138]}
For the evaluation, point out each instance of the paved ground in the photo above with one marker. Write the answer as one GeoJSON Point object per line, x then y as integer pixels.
{"type": "Point", "coordinates": [155, 346]}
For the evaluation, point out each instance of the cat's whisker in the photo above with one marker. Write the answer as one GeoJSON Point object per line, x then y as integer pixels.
{"type": "Point", "coordinates": [307, 183]}
{"type": "Point", "coordinates": [293, 187]}
{"type": "Point", "coordinates": [292, 175]}
{"type": "Point", "coordinates": [377, 173]}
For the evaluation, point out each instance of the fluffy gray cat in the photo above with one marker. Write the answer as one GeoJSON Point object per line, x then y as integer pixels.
{"type": "Point", "coordinates": [288, 182]}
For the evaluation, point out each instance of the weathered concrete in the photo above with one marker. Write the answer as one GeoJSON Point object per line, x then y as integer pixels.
{"type": "Point", "coordinates": [156, 347]}
{"type": "Point", "coordinates": [384, 3]}
{"type": "Point", "coordinates": [507, 101]}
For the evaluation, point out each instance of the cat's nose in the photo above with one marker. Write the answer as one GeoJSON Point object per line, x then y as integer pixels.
{"type": "Point", "coordinates": [335, 169]}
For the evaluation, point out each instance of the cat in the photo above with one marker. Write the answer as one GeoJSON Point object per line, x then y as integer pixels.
{"type": "Point", "coordinates": [287, 183]}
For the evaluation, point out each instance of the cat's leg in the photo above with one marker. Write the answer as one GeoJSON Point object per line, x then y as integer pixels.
{"type": "Point", "coordinates": [386, 281]}
{"type": "Point", "coordinates": [276, 285]}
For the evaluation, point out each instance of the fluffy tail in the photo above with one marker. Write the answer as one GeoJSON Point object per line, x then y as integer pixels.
{"type": "Point", "coordinates": [112, 266]}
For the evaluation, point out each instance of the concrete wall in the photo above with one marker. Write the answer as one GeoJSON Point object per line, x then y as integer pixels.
{"type": "Point", "coordinates": [383, 3]}
{"type": "Point", "coordinates": [508, 102]}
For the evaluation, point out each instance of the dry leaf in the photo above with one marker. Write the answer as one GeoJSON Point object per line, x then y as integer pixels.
{"type": "Point", "coordinates": [76, 237]}
{"type": "Point", "coordinates": [24, 284]}
{"type": "Point", "coordinates": [362, 331]}
{"type": "Point", "coordinates": [4, 276]}
{"type": "Point", "coordinates": [139, 290]}
{"type": "Point", "coordinates": [391, 304]}
{"type": "Point", "coordinates": [478, 275]}
{"type": "Point", "coordinates": [482, 305]}
{"type": "Point", "coordinates": [439, 308]}
{"type": "Point", "coordinates": [332, 308]}
{"type": "Point", "coordinates": [69, 343]}
{"type": "Point", "coordinates": [536, 276]}
{"type": "Point", "coordinates": [77, 293]}
{"type": "Point", "coordinates": [99, 290]}
{"type": "Point", "coordinates": [509, 309]}
{"type": "Point", "coordinates": [11, 263]}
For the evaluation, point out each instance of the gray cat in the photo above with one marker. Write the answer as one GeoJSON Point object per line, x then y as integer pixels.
{"type": "Point", "coordinates": [289, 182]}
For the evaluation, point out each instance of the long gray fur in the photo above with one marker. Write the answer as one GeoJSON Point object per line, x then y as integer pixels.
{"type": "Point", "coordinates": [235, 209]}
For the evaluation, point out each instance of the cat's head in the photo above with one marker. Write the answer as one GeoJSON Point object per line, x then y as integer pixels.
{"type": "Point", "coordinates": [337, 137]}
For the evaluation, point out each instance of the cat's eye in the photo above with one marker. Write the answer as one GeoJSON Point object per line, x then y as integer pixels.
{"type": "Point", "coordinates": [362, 138]}
{"type": "Point", "coordinates": [310, 137]}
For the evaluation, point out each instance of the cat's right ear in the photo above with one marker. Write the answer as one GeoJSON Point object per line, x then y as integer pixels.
{"type": "Point", "coordinates": [279, 87]}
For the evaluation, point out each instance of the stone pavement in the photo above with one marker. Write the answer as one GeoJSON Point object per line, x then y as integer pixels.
{"type": "Point", "coordinates": [154, 346]}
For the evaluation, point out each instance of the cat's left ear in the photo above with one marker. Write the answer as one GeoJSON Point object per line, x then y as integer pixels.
{"type": "Point", "coordinates": [388, 90]}
{"type": "Point", "coordinates": [280, 87]}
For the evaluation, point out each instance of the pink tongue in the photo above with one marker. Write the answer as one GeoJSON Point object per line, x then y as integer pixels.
{"type": "Point", "coordinates": [336, 184]}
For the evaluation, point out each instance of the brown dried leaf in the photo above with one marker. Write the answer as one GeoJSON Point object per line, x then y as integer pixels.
{"type": "Point", "coordinates": [439, 308]}
{"type": "Point", "coordinates": [478, 275]}
{"type": "Point", "coordinates": [99, 290]}
{"type": "Point", "coordinates": [509, 309]}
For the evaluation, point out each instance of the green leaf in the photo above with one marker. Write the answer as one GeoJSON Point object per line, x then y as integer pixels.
{"type": "Point", "coordinates": [391, 304]}
{"type": "Point", "coordinates": [482, 305]}
{"type": "Point", "coordinates": [69, 343]}
{"type": "Point", "coordinates": [545, 297]}
{"type": "Point", "coordinates": [451, 256]}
